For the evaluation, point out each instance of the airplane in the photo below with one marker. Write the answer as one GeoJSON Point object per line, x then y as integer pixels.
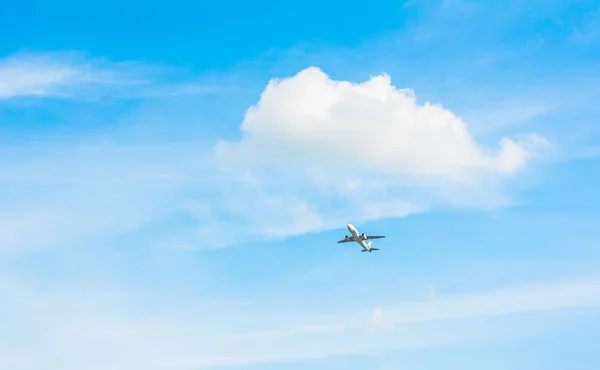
{"type": "Point", "coordinates": [360, 239]}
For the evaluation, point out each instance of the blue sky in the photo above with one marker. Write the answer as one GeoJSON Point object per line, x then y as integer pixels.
{"type": "Point", "coordinates": [175, 176]}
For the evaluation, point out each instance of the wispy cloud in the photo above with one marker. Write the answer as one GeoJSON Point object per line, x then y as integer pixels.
{"type": "Point", "coordinates": [588, 31]}
{"type": "Point", "coordinates": [96, 331]}
{"type": "Point", "coordinates": [77, 191]}
{"type": "Point", "coordinates": [75, 75]}
{"type": "Point", "coordinates": [505, 113]}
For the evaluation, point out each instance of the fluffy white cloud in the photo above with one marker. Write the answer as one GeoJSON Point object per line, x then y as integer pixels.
{"type": "Point", "coordinates": [310, 119]}
{"type": "Point", "coordinates": [316, 153]}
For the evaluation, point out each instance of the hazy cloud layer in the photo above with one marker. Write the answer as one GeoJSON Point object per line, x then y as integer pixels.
{"type": "Point", "coordinates": [82, 330]}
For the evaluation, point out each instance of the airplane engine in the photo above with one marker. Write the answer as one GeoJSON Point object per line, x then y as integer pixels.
{"type": "Point", "coordinates": [363, 236]}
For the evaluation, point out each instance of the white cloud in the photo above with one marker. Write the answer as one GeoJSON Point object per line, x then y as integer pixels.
{"type": "Point", "coordinates": [316, 153]}
{"type": "Point", "coordinates": [29, 79]}
{"type": "Point", "coordinates": [27, 74]}
{"type": "Point", "coordinates": [73, 75]}
{"type": "Point", "coordinates": [93, 329]}
{"type": "Point", "coordinates": [372, 126]}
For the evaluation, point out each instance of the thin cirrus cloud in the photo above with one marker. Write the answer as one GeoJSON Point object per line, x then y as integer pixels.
{"type": "Point", "coordinates": [74, 75]}
{"type": "Point", "coordinates": [101, 329]}
{"type": "Point", "coordinates": [65, 193]}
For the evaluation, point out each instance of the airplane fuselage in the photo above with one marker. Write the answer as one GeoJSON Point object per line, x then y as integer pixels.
{"type": "Point", "coordinates": [357, 238]}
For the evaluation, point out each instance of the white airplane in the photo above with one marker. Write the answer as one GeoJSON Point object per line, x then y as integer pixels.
{"type": "Point", "coordinates": [360, 239]}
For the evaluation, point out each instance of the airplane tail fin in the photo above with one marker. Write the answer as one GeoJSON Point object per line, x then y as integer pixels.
{"type": "Point", "coordinates": [370, 249]}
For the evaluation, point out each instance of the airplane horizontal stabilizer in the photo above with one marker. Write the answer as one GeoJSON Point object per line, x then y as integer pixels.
{"type": "Point", "coordinates": [370, 250]}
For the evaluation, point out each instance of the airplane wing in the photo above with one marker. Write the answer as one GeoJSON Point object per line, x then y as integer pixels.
{"type": "Point", "coordinates": [345, 241]}
{"type": "Point", "coordinates": [375, 236]}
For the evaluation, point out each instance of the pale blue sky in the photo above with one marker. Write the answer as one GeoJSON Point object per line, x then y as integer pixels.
{"type": "Point", "coordinates": [127, 241]}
